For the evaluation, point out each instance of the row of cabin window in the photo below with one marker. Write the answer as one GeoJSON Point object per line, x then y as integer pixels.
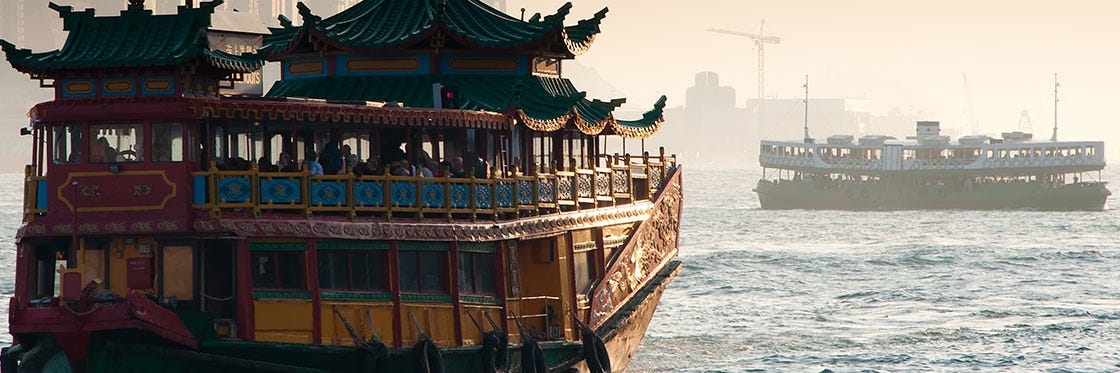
{"type": "Point", "coordinates": [1088, 150]}
{"type": "Point", "coordinates": [418, 271]}
{"type": "Point", "coordinates": [118, 143]}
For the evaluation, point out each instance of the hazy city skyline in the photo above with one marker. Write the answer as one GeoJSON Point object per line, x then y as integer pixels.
{"type": "Point", "coordinates": [912, 57]}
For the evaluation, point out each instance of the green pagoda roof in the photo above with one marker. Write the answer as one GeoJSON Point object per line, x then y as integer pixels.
{"type": "Point", "coordinates": [542, 103]}
{"type": "Point", "coordinates": [135, 38]}
{"type": "Point", "coordinates": [386, 25]}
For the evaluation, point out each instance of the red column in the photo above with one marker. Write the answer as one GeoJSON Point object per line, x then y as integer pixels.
{"type": "Point", "coordinates": [245, 329]}
{"type": "Point", "coordinates": [456, 307]}
{"type": "Point", "coordinates": [24, 255]}
{"type": "Point", "coordinates": [313, 285]}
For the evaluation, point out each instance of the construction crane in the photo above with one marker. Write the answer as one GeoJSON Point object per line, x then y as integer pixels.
{"type": "Point", "coordinates": [760, 40]}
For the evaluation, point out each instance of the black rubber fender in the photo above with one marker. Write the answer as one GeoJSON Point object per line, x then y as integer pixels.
{"type": "Point", "coordinates": [428, 357]}
{"type": "Point", "coordinates": [595, 353]}
{"type": "Point", "coordinates": [501, 361]}
{"type": "Point", "coordinates": [375, 357]}
{"type": "Point", "coordinates": [489, 353]}
{"type": "Point", "coordinates": [532, 357]}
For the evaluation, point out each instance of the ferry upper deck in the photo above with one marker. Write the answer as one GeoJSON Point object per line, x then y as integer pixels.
{"type": "Point", "coordinates": [1013, 153]}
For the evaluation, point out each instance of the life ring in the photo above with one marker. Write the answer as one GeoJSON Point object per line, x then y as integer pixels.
{"type": "Point", "coordinates": [428, 358]}
{"type": "Point", "coordinates": [495, 351]}
{"type": "Point", "coordinates": [595, 353]}
{"type": "Point", "coordinates": [532, 358]}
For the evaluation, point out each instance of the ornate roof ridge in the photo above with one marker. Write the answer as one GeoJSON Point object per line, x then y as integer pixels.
{"type": "Point", "coordinates": [391, 25]}
{"type": "Point", "coordinates": [134, 38]}
{"type": "Point", "coordinates": [542, 103]}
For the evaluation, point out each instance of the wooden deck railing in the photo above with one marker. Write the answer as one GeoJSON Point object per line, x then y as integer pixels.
{"type": "Point", "coordinates": [616, 180]}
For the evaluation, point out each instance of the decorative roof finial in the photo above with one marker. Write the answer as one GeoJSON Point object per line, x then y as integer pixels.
{"type": "Point", "coordinates": [135, 4]}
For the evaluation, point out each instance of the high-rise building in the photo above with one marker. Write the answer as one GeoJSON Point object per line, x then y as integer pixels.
{"type": "Point", "coordinates": [708, 92]}
{"type": "Point", "coordinates": [709, 108]}
{"type": "Point", "coordinates": [497, 4]}
{"type": "Point", "coordinates": [22, 23]}
{"type": "Point", "coordinates": [785, 118]}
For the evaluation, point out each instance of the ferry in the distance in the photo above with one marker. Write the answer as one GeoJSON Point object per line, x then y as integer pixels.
{"type": "Point", "coordinates": [931, 171]}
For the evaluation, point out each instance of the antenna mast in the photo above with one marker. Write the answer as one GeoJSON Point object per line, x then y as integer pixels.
{"type": "Point", "coordinates": [1054, 137]}
{"type": "Point", "coordinates": [808, 140]}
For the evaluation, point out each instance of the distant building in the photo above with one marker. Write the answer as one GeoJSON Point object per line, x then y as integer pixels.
{"type": "Point", "coordinates": [21, 23]}
{"type": "Point", "coordinates": [708, 93]}
{"type": "Point", "coordinates": [497, 4]}
{"type": "Point", "coordinates": [709, 128]}
{"type": "Point", "coordinates": [784, 119]}
{"type": "Point", "coordinates": [896, 123]}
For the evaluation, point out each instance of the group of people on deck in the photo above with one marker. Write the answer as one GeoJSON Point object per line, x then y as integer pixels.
{"type": "Point", "coordinates": [334, 159]}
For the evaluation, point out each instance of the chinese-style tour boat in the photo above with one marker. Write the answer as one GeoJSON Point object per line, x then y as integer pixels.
{"type": "Point", "coordinates": [450, 207]}
{"type": "Point", "coordinates": [931, 171]}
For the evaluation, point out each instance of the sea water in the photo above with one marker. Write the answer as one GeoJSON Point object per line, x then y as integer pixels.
{"type": "Point", "coordinates": [857, 291]}
{"type": "Point", "coordinates": [806, 291]}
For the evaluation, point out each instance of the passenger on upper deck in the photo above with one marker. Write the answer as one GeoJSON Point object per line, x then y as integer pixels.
{"type": "Point", "coordinates": [286, 164]}
{"type": "Point", "coordinates": [331, 157]}
{"type": "Point", "coordinates": [263, 165]}
{"type": "Point", "coordinates": [313, 165]}
{"type": "Point", "coordinates": [457, 167]}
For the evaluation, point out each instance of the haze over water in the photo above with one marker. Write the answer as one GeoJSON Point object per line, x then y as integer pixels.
{"type": "Point", "coordinates": [885, 291]}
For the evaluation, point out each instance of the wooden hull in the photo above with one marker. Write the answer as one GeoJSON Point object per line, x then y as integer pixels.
{"type": "Point", "coordinates": [618, 304]}
{"type": "Point", "coordinates": [623, 342]}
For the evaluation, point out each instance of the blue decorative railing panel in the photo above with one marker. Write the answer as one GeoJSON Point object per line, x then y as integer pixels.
{"type": "Point", "coordinates": [583, 184]}
{"type": "Point", "coordinates": [564, 188]}
{"type": "Point", "coordinates": [505, 195]}
{"type": "Point", "coordinates": [234, 189]}
{"type": "Point", "coordinates": [460, 196]}
{"type": "Point", "coordinates": [621, 181]}
{"type": "Point", "coordinates": [432, 194]}
{"type": "Point", "coordinates": [281, 190]}
{"type": "Point", "coordinates": [328, 193]}
{"type": "Point", "coordinates": [484, 196]}
{"type": "Point", "coordinates": [369, 193]}
{"type": "Point", "coordinates": [404, 194]}
{"type": "Point", "coordinates": [525, 192]}
{"type": "Point", "coordinates": [602, 184]}
{"type": "Point", "coordinates": [546, 191]}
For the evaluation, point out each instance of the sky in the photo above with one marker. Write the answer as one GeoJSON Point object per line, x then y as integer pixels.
{"type": "Point", "coordinates": [910, 55]}
{"type": "Point", "coordinates": [904, 54]}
